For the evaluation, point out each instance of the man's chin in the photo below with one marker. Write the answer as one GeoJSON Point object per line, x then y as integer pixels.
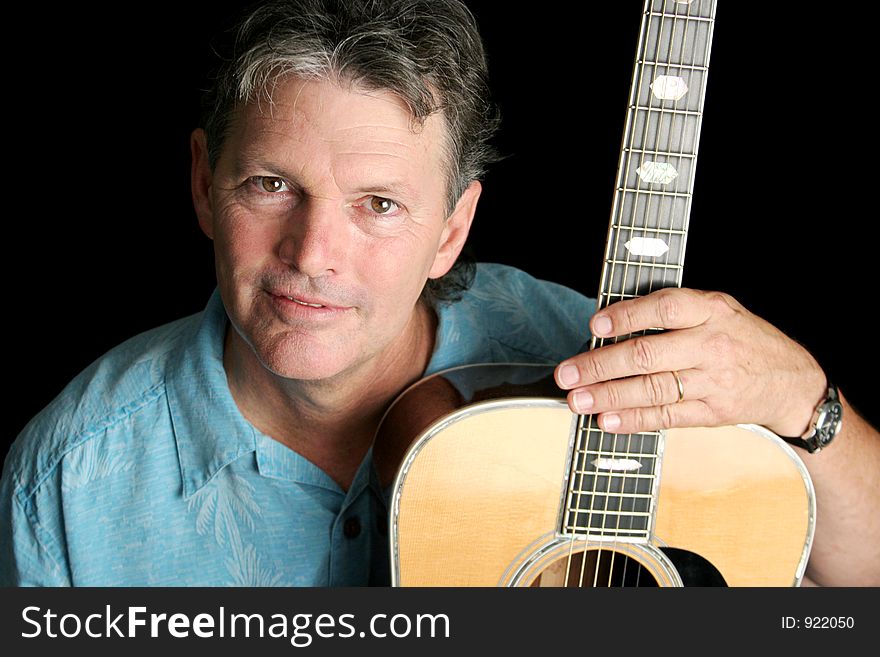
{"type": "Point", "coordinates": [303, 364]}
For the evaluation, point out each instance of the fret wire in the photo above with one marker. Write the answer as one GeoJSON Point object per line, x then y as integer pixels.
{"type": "Point", "coordinates": [650, 331]}
{"type": "Point", "coordinates": [652, 192]}
{"type": "Point", "coordinates": [635, 497]}
{"type": "Point", "coordinates": [637, 291]}
{"type": "Point", "coordinates": [637, 518]}
{"type": "Point", "coordinates": [638, 433]}
{"type": "Point", "coordinates": [641, 279]}
{"type": "Point", "coordinates": [598, 534]}
{"type": "Point", "coordinates": [653, 434]}
{"type": "Point", "coordinates": [662, 110]}
{"type": "Point", "coordinates": [599, 512]}
{"type": "Point", "coordinates": [640, 496]}
{"type": "Point", "coordinates": [631, 263]}
{"type": "Point", "coordinates": [620, 295]}
{"type": "Point", "coordinates": [593, 473]}
{"type": "Point", "coordinates": [573, 513]}
{"type": "Point", "coordinates": [617, 453]}
{"type": "Point", "coordinates": [670, 65]}
{"type": "Point", "coordinates": [638, 500]}
{"type": "Point", "coordinates": [649, 152]}
{"type": "Point", "coordinates": [620, 455]}
{"type": "Point", "coordinates": [635, 515]}
{"type": "Point", "coordinates": [605, 453]}
{"type": "Point", "coordinates": [601, 451]}
{"type": "Point", "coordinates": [684, 17]}
{"type": "Point", "coordinates": [665, 231]}
{"type": "Point", "coordinates": [604, 531]}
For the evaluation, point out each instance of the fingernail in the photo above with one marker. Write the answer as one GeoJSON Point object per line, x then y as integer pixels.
{"type": "Point", "coordinates": [611, 421]}
{"type": "Point", "coordinates": [602, 325]}
{"type": "Point", "coordinates": [569, 375]}
{"type": "Point", "coordinates": [583, 401]}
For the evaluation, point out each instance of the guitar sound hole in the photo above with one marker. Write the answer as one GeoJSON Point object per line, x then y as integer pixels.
{"type": "Point", "coordinates": [596, 569]}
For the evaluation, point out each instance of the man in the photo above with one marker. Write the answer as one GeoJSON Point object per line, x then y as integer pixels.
{"type": "Point", "coordinates": [338, 172]}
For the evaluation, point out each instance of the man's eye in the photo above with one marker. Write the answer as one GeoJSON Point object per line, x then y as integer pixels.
{"type": "Point", "coordinates": [381, 205]}
{"type": "Point", "coordinates": [270, 184]}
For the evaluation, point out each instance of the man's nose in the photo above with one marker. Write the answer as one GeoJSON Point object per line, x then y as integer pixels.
{"type": "Point", "coordinates": [313, 238]}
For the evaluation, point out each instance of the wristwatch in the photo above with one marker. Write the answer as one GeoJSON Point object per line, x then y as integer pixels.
{"type": "Point", "coordinates": [825, 425]}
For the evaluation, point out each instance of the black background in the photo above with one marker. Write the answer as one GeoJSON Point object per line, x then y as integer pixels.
{"type": "Point", "coordinates": [101, 241]}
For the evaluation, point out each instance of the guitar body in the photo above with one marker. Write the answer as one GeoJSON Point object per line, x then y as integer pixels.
{"type": "Point", "coordinates": [479, 494]}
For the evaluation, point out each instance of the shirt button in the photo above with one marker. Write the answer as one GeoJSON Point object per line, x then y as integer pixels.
{"type": "Point", "coordinates": [351, 528]}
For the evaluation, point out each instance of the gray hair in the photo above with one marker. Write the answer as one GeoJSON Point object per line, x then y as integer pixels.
{"type": "Point", "coordinates": [427, 52]}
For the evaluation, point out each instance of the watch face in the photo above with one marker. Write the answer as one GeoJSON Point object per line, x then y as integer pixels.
{"type": "Point", "coordinates": [828, 425]}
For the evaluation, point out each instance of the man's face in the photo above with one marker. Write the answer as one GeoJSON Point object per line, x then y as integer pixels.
{"type": "Point", "coordinates": [327, 214]}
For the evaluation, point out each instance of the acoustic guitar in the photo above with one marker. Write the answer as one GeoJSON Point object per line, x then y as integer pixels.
{"type": "Point", "coordinates": [494, 482]}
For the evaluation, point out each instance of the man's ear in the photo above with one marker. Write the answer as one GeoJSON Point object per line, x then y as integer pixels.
{"type": "Point", "coordinates": [202, 179]}
{"type": "Point", "coordinates": [455, 233]}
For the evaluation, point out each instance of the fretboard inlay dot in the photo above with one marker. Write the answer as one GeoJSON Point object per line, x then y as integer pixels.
{"type": "Point", "coordinates": [646, 246]}
{"type": "Point", "coordinates": [669, 87]}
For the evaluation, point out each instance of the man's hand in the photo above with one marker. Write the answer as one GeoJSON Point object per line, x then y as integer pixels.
{"type": "Point", "coordinates": [734, 367]}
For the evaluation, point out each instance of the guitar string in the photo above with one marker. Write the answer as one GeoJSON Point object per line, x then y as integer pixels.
{"type": "Point", "coordinates": [615, 437]}
{"type": "Point", "coordinates": [681, 157]}
{"type": "Point", "coordinates": [622, 176]}
{"type": "Point", "coordinates": [641, 261]}
{"type": "Point", "coordinates": [696, 125]}
{"type": "Point", "coordinates": [646, 230]}
{"type": "Point", "coordinates": [695, 138]}
{"type": "Point", "coordinates": [585, 422]}
{"type": "Point", "coordinates": [627, 253]}
{"type": "Point", "coordinates": [686, 57]}
{"type": "Point", "coordinates": [648, 20]}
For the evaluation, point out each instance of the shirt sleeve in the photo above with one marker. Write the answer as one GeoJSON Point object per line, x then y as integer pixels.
{"type": "Point", "coordinates": [508, 316]}
{"type": "Point", "coordinates": [31, 553]}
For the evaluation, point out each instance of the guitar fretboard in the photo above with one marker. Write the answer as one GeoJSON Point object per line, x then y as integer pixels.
{"type": "Point", "coordinates": [655, 176]}
{"type": "Point", "coordinates": [612, 484]}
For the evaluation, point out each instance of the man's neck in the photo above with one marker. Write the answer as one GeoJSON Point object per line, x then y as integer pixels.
{"type": "Point", "coordinates": [330, 422]}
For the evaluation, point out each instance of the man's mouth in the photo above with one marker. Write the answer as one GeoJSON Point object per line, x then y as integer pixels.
{"type": "Point", "coordinates": [304, 303]}
{"type": "Point", "coordinates": [307, 301]}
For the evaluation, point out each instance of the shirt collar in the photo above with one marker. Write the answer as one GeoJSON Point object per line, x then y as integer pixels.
{"type": "Point", "coordinates": [209, 429]}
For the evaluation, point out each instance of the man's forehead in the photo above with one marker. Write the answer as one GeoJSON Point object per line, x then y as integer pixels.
{"type": "Point", "coordinates": [317, 114]}
{"type": "Point", "coordinates": [338, 108]}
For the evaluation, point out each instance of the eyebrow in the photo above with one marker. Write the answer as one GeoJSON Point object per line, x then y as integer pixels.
{"type": "Point", "coordinates": [392, 188]}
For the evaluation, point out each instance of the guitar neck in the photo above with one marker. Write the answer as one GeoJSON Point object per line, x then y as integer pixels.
{"type": "Point", "coordinates": [658, 156]}
{"type": "Point", "coordinates": [613, 478]}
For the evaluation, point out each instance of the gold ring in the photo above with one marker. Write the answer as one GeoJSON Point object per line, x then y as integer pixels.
{"type": "Point", "coordinates": [680, 387]}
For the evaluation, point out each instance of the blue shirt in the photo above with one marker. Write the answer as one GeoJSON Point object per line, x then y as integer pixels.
{"type": "Point", "coordinates": [143, 472]}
